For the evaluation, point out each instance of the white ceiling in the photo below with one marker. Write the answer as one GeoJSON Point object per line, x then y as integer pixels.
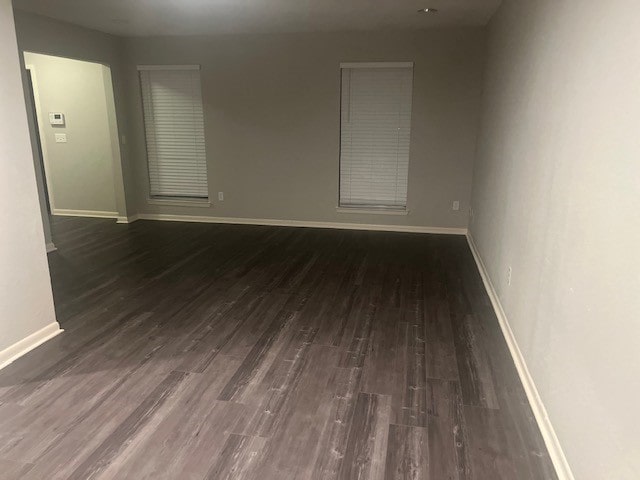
{"type": "Point", "coordinates": [182, 17]}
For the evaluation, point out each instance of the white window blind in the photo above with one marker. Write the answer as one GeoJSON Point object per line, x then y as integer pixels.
{"type": "Point", "coordinates": [375, 133]}
{"type": "Point", "coordinates": [174, 129]}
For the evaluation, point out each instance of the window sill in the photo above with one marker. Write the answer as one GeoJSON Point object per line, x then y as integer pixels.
{"type": "Point", "coordinates": [180, 202]}
{"type": "Point", "coordinates": [373, 211]}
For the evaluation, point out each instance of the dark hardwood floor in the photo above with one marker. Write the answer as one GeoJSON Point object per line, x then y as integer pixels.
{"type": "Point", "coordinates": [197, 351]}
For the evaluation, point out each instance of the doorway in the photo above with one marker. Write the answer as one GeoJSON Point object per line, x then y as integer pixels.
{"type": "Point", "coordinates": [74, 136]}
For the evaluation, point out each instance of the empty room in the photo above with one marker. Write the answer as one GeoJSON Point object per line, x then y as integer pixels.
{"type": "Point", "coordinates": [281, 239]}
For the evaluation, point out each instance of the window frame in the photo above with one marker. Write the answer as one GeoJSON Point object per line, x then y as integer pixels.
{"type": "Point", "coordinates": [174, 200]}
{"type": "Point", "coordinates": [371, 208]}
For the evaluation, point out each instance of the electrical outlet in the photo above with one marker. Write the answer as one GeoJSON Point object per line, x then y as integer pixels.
{"type": "Point", "coordinates": [61, 138]}
{"type": "Point", "coordinates": [221, 196]}
{"type": "Point", "coordinates": [509, 272]}
{"type": "Point", "coordinates": [456, 205]}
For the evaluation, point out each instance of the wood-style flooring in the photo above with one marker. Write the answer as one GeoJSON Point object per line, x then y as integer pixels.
{"type": "Point", "coordinates": [196, 351]}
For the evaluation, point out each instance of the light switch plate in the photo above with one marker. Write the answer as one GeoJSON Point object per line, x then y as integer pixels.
{"type": "Point", "coordinates": [61, 138]}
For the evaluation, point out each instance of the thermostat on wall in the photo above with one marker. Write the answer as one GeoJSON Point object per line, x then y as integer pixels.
{"type": "Point", "coordinates": [56, 118]}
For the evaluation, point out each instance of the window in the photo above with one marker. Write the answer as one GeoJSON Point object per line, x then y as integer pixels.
{"type": "Point", "coordinates": [374, 134]}
{"type": "Point", "coordinates": [174, 130]}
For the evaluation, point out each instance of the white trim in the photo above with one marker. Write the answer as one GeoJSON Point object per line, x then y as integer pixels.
{"type": "Point", "coordinates": [40, 122]}
{"type": "Point", "coordinates": [51, 247]}
{"type": "Point", "coordinates": [180, 202]}
{"type": "Point", "coordinates": [129, 219]}
{"type": "Point", "coordinates": [373, 211]}
{"type": "Point", "coordinates": [376, 65]}
{"type": "Point", "coordinates": [20, 348]}
{"type": "Point", "coordinates": [300, 223]}
{"type": "Point", "coordinates": [542, 418]}
{"type": "Point", "coordinates": [168, 67]}
{"type": "Point", "coordinates": [84, 213]}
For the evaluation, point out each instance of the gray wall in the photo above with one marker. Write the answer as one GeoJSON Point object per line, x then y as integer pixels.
{"type": "Point", "coordinates": [269, 163]}
{"type": "Point", "coordinates": [26, 303]}
{"type": "Point", "coordinates": [557, 197]}
{"type": "Point", "coordinates": [272, 120]}
{"type": "Point", "coordinates": [80, 172]}
{"type": "Point", "coordinates": [44, 35]}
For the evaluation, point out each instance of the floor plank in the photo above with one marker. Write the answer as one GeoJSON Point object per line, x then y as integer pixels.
{"type": "Point", "coordinates": [367, 445]}
{"type": "Point", "coordinates": [448, 444]}
{"type": "Point", "coordinates": [488, 445]}
{"type": "Point", "coordinates": [407, 454]}
{"type": "Point", "coordinates": [197, 351]}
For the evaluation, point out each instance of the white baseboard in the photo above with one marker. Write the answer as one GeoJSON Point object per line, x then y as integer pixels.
{"type": "Point", "coordinates": [542, 418]}
{"type": "Point", "coordinates": [84, 213]}
{"type": "Point", "coordinates": [300, 223]}
{"type": "Point", "coordinates": [18, 349]}
{"type": "Point", "coordinates": [51, 247]}
{"type": "Point", "coordinates": [129, 219]}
